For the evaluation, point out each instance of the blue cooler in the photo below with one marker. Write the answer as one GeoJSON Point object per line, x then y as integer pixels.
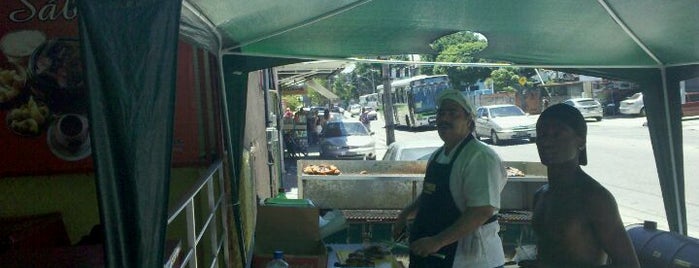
{"type": "Point", "coordinates": [657, 249]}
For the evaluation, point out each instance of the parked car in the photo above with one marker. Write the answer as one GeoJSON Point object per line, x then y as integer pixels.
{"type": "Point", "coordinates": [633, 105]}
{"type": "Point", "coordinates": [412, 149]}
{"type": "Point", "coordinates": [347, 140]}
{"type": "Point", "coordinates": [372, 115]}
{"type": "Point", "coordinates": [355, 109]}
{"type": "Point", "coordinates": [589, 108]}
{"type": "Point", "coordinates": [504, 122]}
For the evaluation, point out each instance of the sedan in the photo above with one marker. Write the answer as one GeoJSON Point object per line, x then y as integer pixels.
{"type": "Point", "coordinates": [633, 105]}
{"type": "Point", "coordinates": [589, 108]}
{"type": "Point", "coordinates": [347, 140]}
{"type": "Point", "coordinates": [354, 109]}
{"type": "Point", "coordinates": [371, 113]}
{"type": "Point", "coordinates": [504, 122]}
{"type": "Point", "coordinates": [408, 150]}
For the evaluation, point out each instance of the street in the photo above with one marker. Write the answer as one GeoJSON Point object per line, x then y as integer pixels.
{"type": "Point", "coordinates": [620, 157]}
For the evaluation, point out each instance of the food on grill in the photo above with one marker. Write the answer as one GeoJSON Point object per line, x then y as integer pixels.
{"type": "Point", "coordinates": [322, 169]}
{"type": "Point", "coordinates": [514, 172]}
{"type": "Point", "coordinates": [365, 257]}
{"type": "Point", "coordinates": [375, 252]}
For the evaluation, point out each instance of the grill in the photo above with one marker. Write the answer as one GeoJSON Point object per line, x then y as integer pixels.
{"type": "Point", "coordinates": [515, 216]}
{"type": "Point", "coordinates": [360, 215]}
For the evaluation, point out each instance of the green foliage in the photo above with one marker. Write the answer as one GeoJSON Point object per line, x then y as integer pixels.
{"type": "Point", "coordinates": [443, 43]}
{"type": "Point", "coordinates": [366, 76]}
{"type": "Point", "coordinates": [293, 102]}
{"type": "Point", "coordinates": [507, 78]}
{"type": "Point", "coordinates": [341, 88]}
{"type": "Point", "coordinates": [426, 69]}
{"type": "Point", "coordinates": [363, 80]}
{"type": "Point", "coordinates": [502, 78]}
{"type": "Point", "coordinates": [458, 47]}
{"type": "Point", "coordinates": [509, 89]}
{"type": "Point", "coordinates": [315, 97]}
{"type": "Point", "coordinates": [462, 76]}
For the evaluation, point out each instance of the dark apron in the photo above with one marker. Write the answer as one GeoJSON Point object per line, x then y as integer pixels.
{"type": "Point", "coordinates": [437, 210]}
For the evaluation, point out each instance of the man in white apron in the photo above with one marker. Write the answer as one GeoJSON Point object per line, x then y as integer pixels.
{"type": "Point", "coordinates": [455, 215]}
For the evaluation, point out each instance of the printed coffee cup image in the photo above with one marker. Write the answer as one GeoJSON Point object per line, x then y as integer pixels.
{"type": "Point", "coordinates": [68, 137]}
{"type": "Point", "coordinates": [17, 47]}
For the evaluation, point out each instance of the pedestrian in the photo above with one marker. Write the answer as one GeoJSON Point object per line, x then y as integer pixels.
{"type": "Point", "coordinates": [311, 127]}
{"type": "Point", "coordinates": [544, 103]}
{"type": "Point", "coordinates": [455, 214]}
{"type": "Point", "coordinates": [288, 114]}
{"type": "Point", "coordinates": [576, 220]}
{"type": "Point", "coordinates": [364, 118]}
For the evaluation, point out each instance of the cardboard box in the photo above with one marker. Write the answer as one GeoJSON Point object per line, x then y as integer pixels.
{"type": "Point", "coordinates": [293, 230]}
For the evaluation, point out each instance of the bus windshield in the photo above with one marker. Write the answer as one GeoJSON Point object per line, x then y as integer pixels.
{"type": "Point", "coordinates": [424, 96]}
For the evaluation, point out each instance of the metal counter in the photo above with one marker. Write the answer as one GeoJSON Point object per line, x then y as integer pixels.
{"type": "Point", "coordinates": [394, 184]}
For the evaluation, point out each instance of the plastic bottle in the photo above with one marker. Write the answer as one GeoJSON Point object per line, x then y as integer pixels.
{"type": "Point", "coordinates": [278, 261]}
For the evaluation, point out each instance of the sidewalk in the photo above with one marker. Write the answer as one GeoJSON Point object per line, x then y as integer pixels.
{"type": "Point", "coordinates": [290, 176]}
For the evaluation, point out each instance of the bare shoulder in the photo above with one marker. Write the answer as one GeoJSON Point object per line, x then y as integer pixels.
{"type": "Point", "coordinates": [594, 190]}
{"type": "Point", "coordinates": [599, 200]}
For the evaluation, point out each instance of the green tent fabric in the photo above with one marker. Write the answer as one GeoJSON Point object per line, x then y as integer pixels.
{"type": "Point", "coordinates": [129, 49]}
{"type": "Point", "coordinates": [130, 71]}
{"type": "Point", "coordinates": [644, 41]}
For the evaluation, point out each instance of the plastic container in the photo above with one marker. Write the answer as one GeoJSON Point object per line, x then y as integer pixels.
{"type": "Point", "coordinates": [278, 261]}
{"type": "Point", "coordinates": [281, 200]}
{"type": "Point", "coordinates": [656, 248]}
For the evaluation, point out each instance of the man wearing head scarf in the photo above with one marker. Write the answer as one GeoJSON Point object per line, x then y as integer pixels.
{"type": "Point", "coordinates": [455, 222]}
{"type": "Point", "coordinates": [576, 220]}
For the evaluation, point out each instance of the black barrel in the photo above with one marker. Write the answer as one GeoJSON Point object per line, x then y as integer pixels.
{"type": "Point", "coordinates": [658, 249]}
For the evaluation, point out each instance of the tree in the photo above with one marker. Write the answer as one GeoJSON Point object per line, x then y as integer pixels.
{"type": "Point", "coordinates": [339, 86]}
{"type": "Point", "coordinates": [458, 47]}
{"type": "Point", "coordinates": [293, 102]}
{"type": "Point", "coordinates": [504, 79]}
{"type": "Point", "coordinates": [462, 76]}
{"type": "Point", "coordinates": [366, 76]}
{"type": "Point", "coordinates": [507, 78]}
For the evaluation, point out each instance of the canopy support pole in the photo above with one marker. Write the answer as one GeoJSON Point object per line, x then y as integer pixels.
{"type": "Point", "coordinates": [673, 162]}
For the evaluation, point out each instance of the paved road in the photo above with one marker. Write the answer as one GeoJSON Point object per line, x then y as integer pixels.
{"type": "Point", "coordinates": [620, 157]}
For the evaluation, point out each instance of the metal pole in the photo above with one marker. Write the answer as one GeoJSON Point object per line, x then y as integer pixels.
{"type": "Point", "coordinates": [388, 104]}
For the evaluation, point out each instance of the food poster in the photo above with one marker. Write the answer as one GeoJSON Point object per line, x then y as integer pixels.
{"type": "Point", "coordinates": [43, 96]}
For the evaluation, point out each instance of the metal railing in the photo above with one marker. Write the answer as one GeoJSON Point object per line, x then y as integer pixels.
{"type": "Point", "coordinates": [215, 215]}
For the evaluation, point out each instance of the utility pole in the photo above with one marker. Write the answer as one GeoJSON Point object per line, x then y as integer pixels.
{"type": "Point", "coordinates": [388, 103]}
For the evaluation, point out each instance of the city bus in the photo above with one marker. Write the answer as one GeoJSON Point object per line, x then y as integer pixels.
{"type": "Point", "coordinates": [414, 99]}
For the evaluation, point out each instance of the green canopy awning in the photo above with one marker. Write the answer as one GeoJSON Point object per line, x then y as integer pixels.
{"type": "Point", "coordinates": [130, 49]}
{"type": "Point", "coordinates": [655, 43]}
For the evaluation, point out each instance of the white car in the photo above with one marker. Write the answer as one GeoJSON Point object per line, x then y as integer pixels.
{"type": "Point", "coordinates": [589, 108]}
{"type": "Point", "coordinates": [633, 105]}
{"type": "Point", "coordinates": [408, 150]}
{"type": "Point", "coordinates": [355, 109]}
{"type": "Point", "coordinates": [504, 122]}
{"type": "Point", "coordinates": [347, 140]}
{"type": "Point", "coordinates": [372, 114]}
